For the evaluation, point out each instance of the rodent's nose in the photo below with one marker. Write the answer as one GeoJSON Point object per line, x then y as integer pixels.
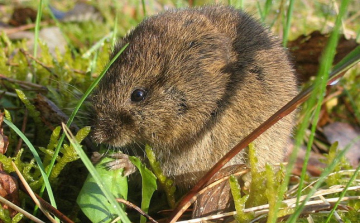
{"type": "Point", "coordinates": [111, 127]}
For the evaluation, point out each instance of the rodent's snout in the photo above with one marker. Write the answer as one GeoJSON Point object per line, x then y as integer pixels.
{"type": "Point", "coordinates": [113, 129]}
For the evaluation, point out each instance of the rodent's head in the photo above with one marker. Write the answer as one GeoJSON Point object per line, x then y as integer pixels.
{"type": "Point", "coordinates": [166, 85]}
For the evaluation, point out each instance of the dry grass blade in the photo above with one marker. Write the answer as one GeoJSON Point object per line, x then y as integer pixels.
{"type": "Point", "coordinates": [20, 210]}
{"type": "Point", "coordinates": [338, 218]}
{"type": "Point", "coordinates": [342, 172]}
{"type": "Point", "coordinates": [261, 211]}
{"type": "Point", "coordinates": [336, 189]}
{"type": "Point", "coordinates": [24, 84]}
{"type": "Point", "coordinates": [32, 195]}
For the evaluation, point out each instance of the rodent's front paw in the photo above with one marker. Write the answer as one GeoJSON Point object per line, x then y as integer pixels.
{"type": "Point", "coordinates": [121, 161]}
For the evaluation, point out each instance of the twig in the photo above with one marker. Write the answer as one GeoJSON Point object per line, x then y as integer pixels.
{"type": "Point", "coordinates": [138, 209]}
{"type": "Point", "coordinates": [23, 83]}
{"type": "Point", "coordinates": [9, 31]}
{"type": "Point", "coordinates": [46, 67]}
{"type": "Point", "coordinates": [53, 210]}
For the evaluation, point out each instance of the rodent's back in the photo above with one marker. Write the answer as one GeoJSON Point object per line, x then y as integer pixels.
{"type": "Point", "coordinates": [211, 75]}
{"type": "Point", "coordinates": [261, 81]}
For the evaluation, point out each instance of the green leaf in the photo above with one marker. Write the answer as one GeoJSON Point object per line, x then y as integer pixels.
{"type": "Point", "coordinates": [148, 184]}
{"type": "Point", "coordinates": [91, 199]}
{"type": "Point", "coordinates": [166, 183]}
{"type": "Point", "coordinates": [94, 173]}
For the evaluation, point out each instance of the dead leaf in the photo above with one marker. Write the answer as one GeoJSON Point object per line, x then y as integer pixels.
{"type": "Point", "coordinates": [306, 52]}
{"type": "Point", "coordinates": [22, 15]}
{"type": "Point", "coordinates": [217, 199]}
{"type": "Point", "coordinates": [344, 133]}
{"type": "Point", "coordinates": [314, 167]}
{"type": "Point", "coordinates": [4, 142]}
{"type": "Point", "coordinates": [9, 189]}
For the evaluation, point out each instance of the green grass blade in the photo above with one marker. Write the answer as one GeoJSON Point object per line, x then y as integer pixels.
{"type": "Point", "coordinates": [239, 4]}
{"type": "Point", "coordinates": [267, 8]}
{"type": "Point", "coordinates": [320, 85]}
{"type": "Point", "coordinates": [37, 27]}
{"type": "Point", "coordinates": [143, 7]}
{"type": "Point", "coordinates": [352, 179]}
{"type": "Point", "coordinates": [348, 61]}
{"type": "Point", "coordinates": [286, 29]}
{"type": "Point", "coordinates": [118, 210]}
{"type": "Point", "coordinates": [325, 66]}
{"type": "Point", "coordinates": [265, 11]}
{"type": "Point", "coordinates": [115, 31]}
{"type": "Point", "coordinates": [97, 45]}
{"type": "Point", "coordinates": [328, 170]}
{"type": "Point", "coordinates": [38, 160]}
{"type": "Point", "coordinates": [317, 98]}
{"type": "Point", "coordinates": [37, 30]}
{"type": "Point", "coordinates": [353, 104]}
{"type": "Point", "coordinates": [261, 13]}
{"type": "Point", "coordinates": [72, 116]}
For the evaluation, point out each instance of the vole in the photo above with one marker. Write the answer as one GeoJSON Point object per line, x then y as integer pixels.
{"type": "Point", "coordinates": [192, 83]}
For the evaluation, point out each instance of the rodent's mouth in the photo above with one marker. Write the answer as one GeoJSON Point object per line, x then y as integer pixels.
{"type": "Point", "coordinates": [102, 138]}
{"type": "Point", "coordinates": [112, 142]}
{"type": "Point", "coordinates": [116, 143]}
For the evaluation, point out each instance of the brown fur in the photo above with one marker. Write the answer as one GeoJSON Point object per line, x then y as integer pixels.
{"type": "Point", "coordinates": [212, 75]}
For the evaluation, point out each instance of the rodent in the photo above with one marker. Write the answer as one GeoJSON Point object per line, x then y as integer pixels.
{"type": "Point", "coordinates": [192, 83]}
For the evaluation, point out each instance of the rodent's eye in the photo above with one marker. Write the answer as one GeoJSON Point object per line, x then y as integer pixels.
{"type": "Point", "coordinates": [138, 95]}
